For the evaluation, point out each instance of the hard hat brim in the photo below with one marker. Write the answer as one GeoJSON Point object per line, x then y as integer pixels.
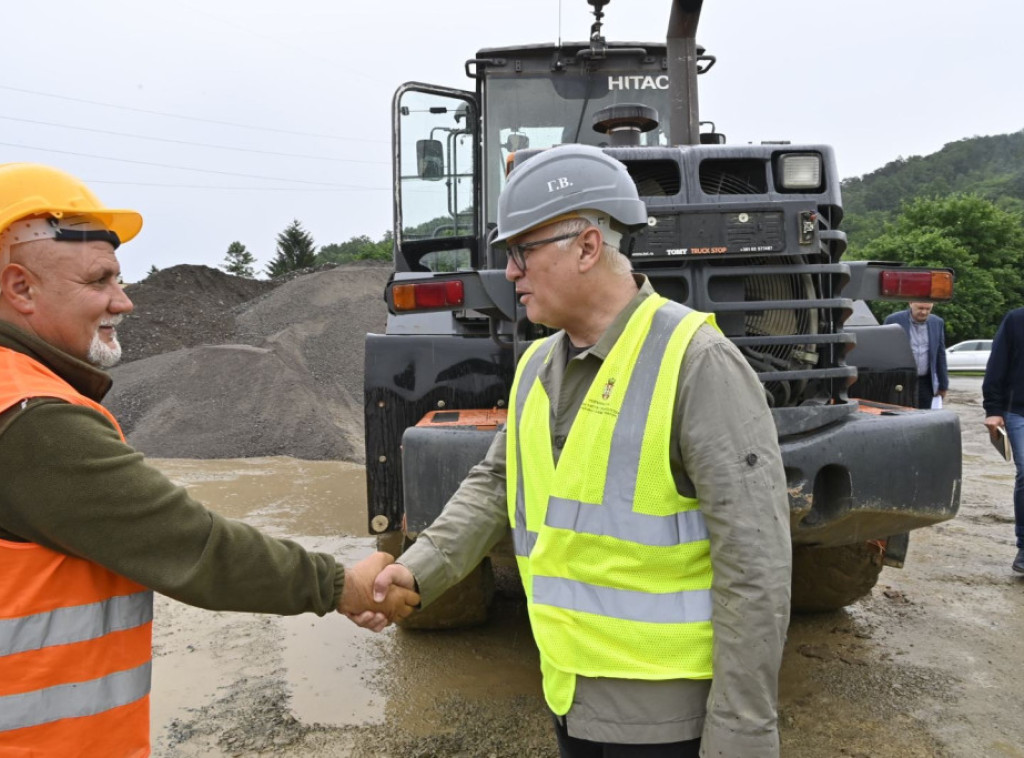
{"type": "Point", "coordinates": [124, 223]}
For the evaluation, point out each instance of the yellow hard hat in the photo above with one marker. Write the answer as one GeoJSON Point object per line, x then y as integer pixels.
{"type": "Point", "coordinates": [31, 189]}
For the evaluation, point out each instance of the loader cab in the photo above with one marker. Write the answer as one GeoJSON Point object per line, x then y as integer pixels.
{"type": "Point", "coordinates": [453, 148]}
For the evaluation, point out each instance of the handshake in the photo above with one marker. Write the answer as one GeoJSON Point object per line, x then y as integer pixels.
{"type": "Point", "coordinates": [377, 592]}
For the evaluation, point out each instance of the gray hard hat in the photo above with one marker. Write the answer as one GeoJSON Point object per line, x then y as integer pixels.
{"type": "Point", "coordinates": [556, 182]}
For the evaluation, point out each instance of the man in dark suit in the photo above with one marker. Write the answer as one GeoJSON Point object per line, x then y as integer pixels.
{"type": "Point", "coordinates": [1003, 397]}
{"type": "Point", "coordinates": [927, 334]}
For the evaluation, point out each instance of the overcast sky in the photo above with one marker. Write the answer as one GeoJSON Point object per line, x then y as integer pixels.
{"type": "Point", "coordinates": [224, 120]}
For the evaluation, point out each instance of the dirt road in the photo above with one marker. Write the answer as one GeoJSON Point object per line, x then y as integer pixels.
{"type": "Point", "coordinates": [927, 666]}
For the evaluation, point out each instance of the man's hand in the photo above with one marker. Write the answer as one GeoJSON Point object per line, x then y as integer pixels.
{"type": "Point", "coordinates": [358, 600]}
{"type": "Point", "coordinates": [393, 577]}
{"type": "Point", "coordinates": [992, 423]}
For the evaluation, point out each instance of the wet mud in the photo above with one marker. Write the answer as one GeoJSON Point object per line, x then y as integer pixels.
{"type": "Point", "coordinates": [926, 666]}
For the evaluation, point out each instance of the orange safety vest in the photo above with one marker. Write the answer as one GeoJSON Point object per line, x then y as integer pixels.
{"type": "Point", "coordinates": [75, 638]}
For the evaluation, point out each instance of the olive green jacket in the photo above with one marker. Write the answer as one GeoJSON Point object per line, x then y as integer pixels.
{"type": "Point", "coordinates": [68, 482]}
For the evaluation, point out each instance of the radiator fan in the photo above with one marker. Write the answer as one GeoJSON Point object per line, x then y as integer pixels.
{"type": "Point", "coordinates": [767, 358]}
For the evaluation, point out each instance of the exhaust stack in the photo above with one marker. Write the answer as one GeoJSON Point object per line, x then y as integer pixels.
{"type": "Point", "coordinates": [682, 71]}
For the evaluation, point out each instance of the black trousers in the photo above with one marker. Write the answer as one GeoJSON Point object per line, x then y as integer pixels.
{"type": "Point", "coordinates": [924, 391]}
{"type": "Point", "coordinates": [573, 747]}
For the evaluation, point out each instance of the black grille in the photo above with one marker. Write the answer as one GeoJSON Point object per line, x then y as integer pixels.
{"type": "Point", "coordinates": [655, 178]}
{"type": "Point", "coordinates": [733, 176]}
{"type": "Point", "coordinates": [781, 314]}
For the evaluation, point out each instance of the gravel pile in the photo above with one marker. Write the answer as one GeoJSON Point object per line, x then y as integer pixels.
{"type": "Point", "coordinates": [217, 366]}
{"type": "Point", "coordinates": [185, 306]}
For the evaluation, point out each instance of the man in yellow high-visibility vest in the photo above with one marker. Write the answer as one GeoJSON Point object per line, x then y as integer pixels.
{"type": "Point", "coordinates": [641, 477]}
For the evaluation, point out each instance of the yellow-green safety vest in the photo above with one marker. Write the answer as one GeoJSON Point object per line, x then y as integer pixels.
{"type": "Point", "coordinates": [615, 562]}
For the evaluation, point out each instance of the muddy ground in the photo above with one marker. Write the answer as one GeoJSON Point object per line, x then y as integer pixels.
{"type": "Point", "coordinates": [927, 666]}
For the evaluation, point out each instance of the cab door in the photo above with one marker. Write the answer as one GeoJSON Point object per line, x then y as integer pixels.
{"type": "Point", "coordinates": [436, 149]}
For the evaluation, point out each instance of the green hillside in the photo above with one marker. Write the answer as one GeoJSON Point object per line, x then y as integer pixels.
{"type": "Point", "coordinates": [990, 167]}
{"type": "Point", "coordinates": [960, 208]}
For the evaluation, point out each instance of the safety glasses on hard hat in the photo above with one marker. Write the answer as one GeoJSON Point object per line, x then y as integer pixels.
{"type": "Point", "coordinates": [517, 251]}
{"type": "Point", "coordinates": [67, 229]}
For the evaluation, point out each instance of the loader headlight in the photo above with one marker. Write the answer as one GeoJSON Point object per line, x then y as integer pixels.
{"type": "Point", "coordinates": [800, 171]}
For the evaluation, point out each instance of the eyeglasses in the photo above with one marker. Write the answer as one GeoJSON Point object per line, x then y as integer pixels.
{"type": "Point", "coordinates": [518, 252]}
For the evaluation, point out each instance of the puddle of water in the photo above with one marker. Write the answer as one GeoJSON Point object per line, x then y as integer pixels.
{"type": "Point", "coordinates": [327, 663]}
{"type": "Point", "coordinates": [285, 496]}
{"type": "Point", "coordinates": [330, 663]}
{"type": "Point", "coordinates": [336, 673]}
{"type": "Point", "coordinates": [198, 655]}
{"type": "Point", "coordinates": [330, 667]}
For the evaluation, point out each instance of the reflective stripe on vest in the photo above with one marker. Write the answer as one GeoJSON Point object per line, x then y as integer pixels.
{"type": "Point", "coordinates": [64, 626]}
{"type": "Point", "coordinates": [75, 638]}
{"type": "Point", "coordinates": [523, 539]}
{"type": "Point", "coordinates": [677, 608]}
{"type": "Point", "coordinates": [606, 519]}
{"type": "Point", "coordinates": [587, 609]}
{"type": "Point", "coordinates": [74, 700]}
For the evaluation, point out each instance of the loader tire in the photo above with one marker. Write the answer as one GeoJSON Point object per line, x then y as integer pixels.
{"type": "Point", "coordinates": [465, 604]}
{"type": "Point", "coordinates": [830, 578]}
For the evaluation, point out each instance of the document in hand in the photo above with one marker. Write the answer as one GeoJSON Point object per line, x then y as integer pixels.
{"type": "Point", "coordinates": [1002, 443]}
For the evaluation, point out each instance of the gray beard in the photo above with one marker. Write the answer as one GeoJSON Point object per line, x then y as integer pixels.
{"type": "Point", "coordinates": [103, 355]}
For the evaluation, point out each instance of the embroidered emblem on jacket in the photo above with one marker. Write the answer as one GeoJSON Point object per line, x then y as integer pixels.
{"type": "Point", "coordinates": [608, 389]}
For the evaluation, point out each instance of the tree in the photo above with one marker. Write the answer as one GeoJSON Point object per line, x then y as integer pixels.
{"type": "Point", "coordinates": [982, 243]}
{"type": "Point", "coordinates": [295, 250]}
{"type": "Point", "coordinates": [152, 270]}
{"type": "Point", "coordinates": [360, 248]}
{"type": "Point", "coordinates": [992, 167]}
{"type": "Point", "coordinates": [239, 261]}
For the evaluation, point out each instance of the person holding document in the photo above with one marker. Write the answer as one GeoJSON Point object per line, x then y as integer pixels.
{"type": "Point", "coordinates": [1003, 398]}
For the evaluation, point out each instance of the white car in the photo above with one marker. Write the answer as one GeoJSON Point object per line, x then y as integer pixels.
{"type": "Point", "coordinates": [971, 355]}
